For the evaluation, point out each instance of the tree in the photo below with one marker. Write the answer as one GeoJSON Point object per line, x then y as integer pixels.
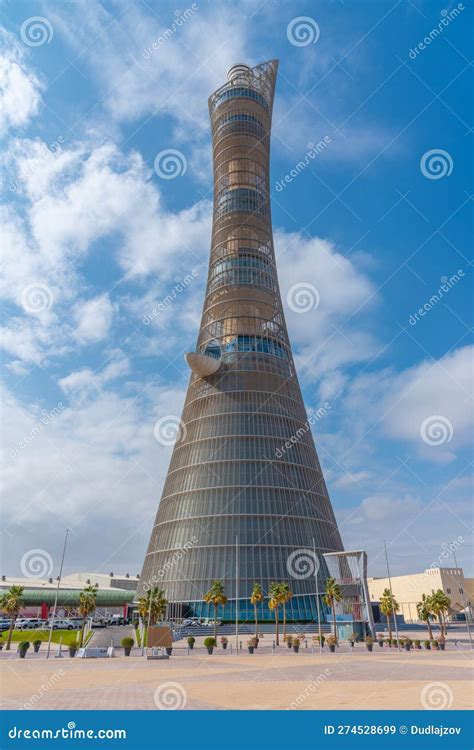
{"type": "Point", "coordinates": [255, 599]}
{"type": "Point", "coordinates": [425, 612]}
{"type": "Point", "coordinates": [285, 596]}
{"type": "Point", "coordinates": [440, 604]}
{"type": "Point", "coordinates": [87, 605]}
{"type": "Point", "coordinates": [152, 606]}
{"type": "Point", "coordinates": [274, 601]}
{"type": "Point", "coordinates": [332, 595]}
{"type": "Point", "coordinates": [11, 602]}
{"type": "Point", "coordinates": [216, 596]}
{"type": "Point", "coordinates": [388, 606]}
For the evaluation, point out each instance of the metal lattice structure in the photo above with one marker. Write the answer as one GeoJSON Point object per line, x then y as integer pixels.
{"type": "Point", "coordinates": [229, 478]}
{"type": "Point", "coordinates": [349, 569]}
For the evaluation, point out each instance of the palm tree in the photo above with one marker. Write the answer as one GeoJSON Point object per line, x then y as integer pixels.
{"type": "Point", "coordinates": [440, 604]}
{"type": "Point", "coordinates": [388, 606]}
{"type": "Point", "coordinates": [216, 596]}
{"type": "Point", "coordinates": [87, 605]}
{"type": "Point", "coordinates": [255, 599]}
{"type": "Point", "coordinates": [425, 611]}
{"type": "Point", "coordinates": [274, 601]}
{"type": "Point", "coordinates": [152, 606]}
{"type": "Point", "coordinates": [332, 594]}
{"type": "Point", "coordinates": [11, 602]}
{"type": "Point", "coordinates": [285, 597]}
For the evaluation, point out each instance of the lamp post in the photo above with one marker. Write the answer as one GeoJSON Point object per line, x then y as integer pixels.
{"type": "Point", "coordinates": [56, 596]}
{"type": "Point", "coordinates": [237, 595]}
{"type": "Point", "coordinates": [391, 595]}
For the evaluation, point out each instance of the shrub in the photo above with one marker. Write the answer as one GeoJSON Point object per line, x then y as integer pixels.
{"type": "Point", "coordinates": [127, 642]}
{"type": "Point", "coordinates": [23, 646]}
{"type": "Point", "coordinates": [191, 640]}
{"type": "Point", "coordinates": [408, 642]}
{"type": "Point", "coordinates": [37, 642]}
{"type": "Point", "coordinates": [417, 643]}
{"type": "Point", "coordinates": [434, 644]}
{"type": "Point", "coordinates": [224, 639]}
{"type": "Point", "coordinates": [368, 639]}
{"type": "Point", "coordinates": [316, 639]}
{"type": "Point", "coordinates": [331, 640]}
{"type": "Point", "coordinates": [252, 642]}
{"type": "Point", "coordinates": [209, 642]}
{"type": "Point", "coordinates": [296, 641]}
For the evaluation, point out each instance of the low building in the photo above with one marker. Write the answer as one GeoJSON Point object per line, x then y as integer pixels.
{"type": "Point", "coordinates": [114, 593]}
{"type": "Point", "coordinates": [408, 590]}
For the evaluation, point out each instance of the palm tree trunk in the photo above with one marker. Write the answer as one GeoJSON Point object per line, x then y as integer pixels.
{"type": "Point", "coordinates": [277, 635]}
{"type": "Point", "coordinates": [10, 633]}
{"type": "Point", "coordinates": [284, 621]}
{"type": "Point", "coordinates": [81, 640]}
{"type": "Point", "coordinates": [215, 623]}
{"type": "Point", "coordinates": [430, 632]}
{"type": "Point", "coordinates": [256, 619]}
{"type": "Point", "coordinates": [333, 605]}
{"type": "Point", "coordinates": [389, 627]}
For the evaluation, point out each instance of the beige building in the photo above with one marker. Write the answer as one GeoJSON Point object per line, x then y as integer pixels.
{"type": "Point", "coordinates": [408, 589]}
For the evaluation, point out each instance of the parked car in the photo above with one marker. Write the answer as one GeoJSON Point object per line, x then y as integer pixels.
{"type": "Point", "coordinates": [28, 623]}
{"type": "Point", "coordinates": [61, 624]}
{"type": "Point", "coordinates": [99, 623]}
{"type": "Point", "coordinates": [4, 623]}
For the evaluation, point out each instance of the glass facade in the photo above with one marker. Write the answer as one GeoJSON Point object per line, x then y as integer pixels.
{"type": "Point", "coordinates": [244, 490]}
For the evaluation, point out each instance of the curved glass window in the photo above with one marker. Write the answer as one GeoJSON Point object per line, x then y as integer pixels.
{"type": "Point", "coordinates": [243, 269]}
{"type": "Point", "coordinates": [242, 200]}
{"type": "Point", "coordinates": [213, 350]}
{"type": "Point", "coordinates": [240, 91]}
{"type": "Point", "coordinates": [239, 123]}
{"type": "Point", "coordinates": [255, 344]}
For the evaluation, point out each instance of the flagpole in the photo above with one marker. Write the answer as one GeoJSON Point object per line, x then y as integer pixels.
{"type": "Point", "coordinates": [316, 571]}
{"type": "Point", "coordinates": [237, 594]}
{"type": "Point", "coordinates": [56, 595]}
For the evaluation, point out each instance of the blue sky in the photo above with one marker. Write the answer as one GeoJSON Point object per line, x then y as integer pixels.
{"type": "Point", "coordinates": [94, 239]}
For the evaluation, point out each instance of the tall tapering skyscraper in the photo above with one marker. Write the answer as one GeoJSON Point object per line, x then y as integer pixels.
{"type": "Point", "coordinates": [244, 499]}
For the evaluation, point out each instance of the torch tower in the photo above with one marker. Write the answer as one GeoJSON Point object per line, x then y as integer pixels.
{"type": "Point", "coordinates": [244, 499]}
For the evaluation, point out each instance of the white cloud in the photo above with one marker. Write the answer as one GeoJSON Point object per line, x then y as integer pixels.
{"type": "Point", "coordinates": [395, 405]}
{"type": "Point", "coordinates": [93, 319]}
{"type": "Point", "coordinates": [19, 87]}
{"type": "Point", "coordinates": [325, 337]}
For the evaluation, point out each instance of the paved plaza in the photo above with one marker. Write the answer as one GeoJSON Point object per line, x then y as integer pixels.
{"type": "Point", "coordinates": [348, 679]}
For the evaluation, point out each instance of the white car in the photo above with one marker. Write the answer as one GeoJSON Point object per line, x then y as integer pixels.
{"type": "Point", "coordinates": [64, 625]}
{"type": "Point", "coordinates": [28, 623]}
